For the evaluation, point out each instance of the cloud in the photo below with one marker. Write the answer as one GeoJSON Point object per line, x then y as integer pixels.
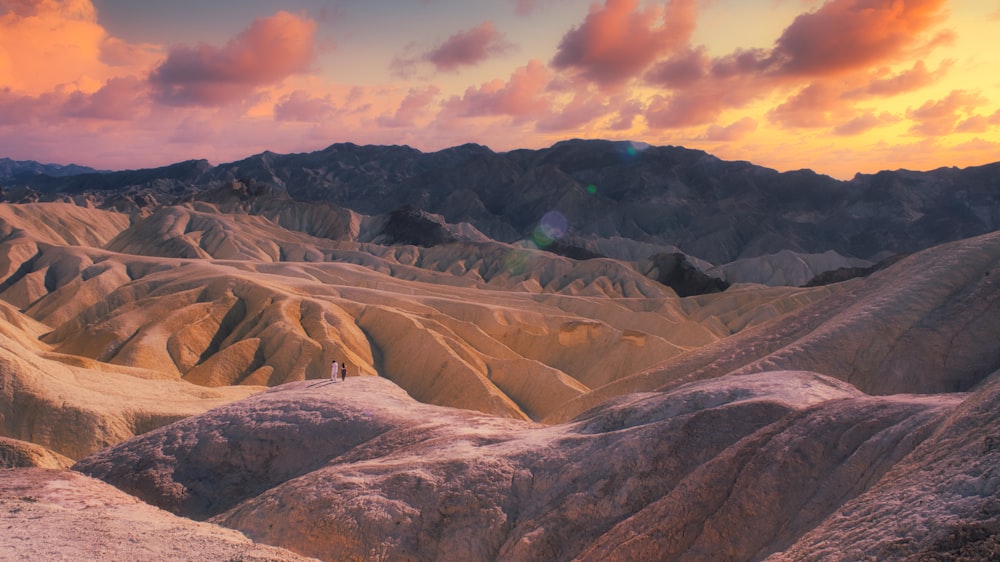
{"type": "Point", "coordinates": [700, 104]}
{"type": "Point", "coordinates": [270, 50]}
{"type": "Point", "coordinates": [70, 9]}
{"type": "Point", "coordinates": [120, 99]}
{"type": "Point", "coordinates": [908, 80]}
{"type": "Point", "coordinates": [732, 132]}
{"type": "Point", "coordinates": [845, 35]}
{"type": "Point", "coordinates": [581, 110]}
{"type": "Point", "coordinates": [413, 107]}
{"type": "Point", "coordinates": [941, 117]}
{"type": "Point", "coordinates": [528, 7]}
{"type": "Point", "coordinates": [811, 107]}
{"type": "Point", "coordinates": [617, 42]}
{"type": "Point", "coordinates": [627, 112]}
{"type": "Point", "coordinates": [468, 48]}
{"type": "Point", "coordinates": [116, 52]}
{"type": "Point", "coordinates": [522, 96]}
{"type": "Point", "coordinates": [681, 69]}
{"type": "Point", "coordinates": [302, 107]}
{"type": "Point", "coordinates": [824, 59]}
{"type": "Point", "coordinates": [864, 122]}
{"type": "Point", "coordinates": [465, 48]}
{"type": "Point", "coordinates": [45, 44]}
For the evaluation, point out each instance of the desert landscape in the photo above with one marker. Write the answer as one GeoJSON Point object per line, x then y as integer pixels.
{"type": "Point", "coordinates": [593, 366]}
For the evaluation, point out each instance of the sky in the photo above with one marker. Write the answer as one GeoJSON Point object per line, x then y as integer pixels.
{"type": "Point", "coordinates": [838, 86]}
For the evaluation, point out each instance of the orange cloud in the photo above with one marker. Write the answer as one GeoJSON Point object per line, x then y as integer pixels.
{"type": "Point", "coordinates": [845, 35]}
{"type": "Point", "coordinates": [619, 41]}
{"type": "Point", "coordinates": [45, 44]}
{"type": "Point", "coordinates": [270, 50]}
{"type": "Point", "coordinates": [824, 57]}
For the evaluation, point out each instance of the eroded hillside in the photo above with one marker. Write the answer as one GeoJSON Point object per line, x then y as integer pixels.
{"type": "Point", "coordinates": [504, 402]}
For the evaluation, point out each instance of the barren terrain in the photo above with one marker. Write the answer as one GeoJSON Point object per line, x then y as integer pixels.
{"type": "Point", "coordinates": [165, 392]}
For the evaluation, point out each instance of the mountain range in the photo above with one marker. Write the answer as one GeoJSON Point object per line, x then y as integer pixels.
{"type": "Point", "coordinates": [595, 351]}
{"type": "Point", "coordinates": [613, 197]}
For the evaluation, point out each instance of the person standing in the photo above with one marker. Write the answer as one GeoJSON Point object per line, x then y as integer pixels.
{"type": "Point", "coordinates": [334, 370]}
{"type": "Point", "coordinates": [343, 371]}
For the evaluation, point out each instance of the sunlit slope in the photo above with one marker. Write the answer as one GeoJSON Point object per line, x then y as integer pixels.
{"type": "Point", "coordinates": [485, 326]}
{"type": "Point", "coordinates": [75, 407]}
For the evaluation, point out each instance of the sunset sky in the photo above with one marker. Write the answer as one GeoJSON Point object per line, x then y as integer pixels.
{"type": "Point", "coordinates": [840, 86]}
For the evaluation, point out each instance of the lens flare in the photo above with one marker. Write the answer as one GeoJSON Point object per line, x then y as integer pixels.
{"type": "Point", "coordinates": [551, 228]}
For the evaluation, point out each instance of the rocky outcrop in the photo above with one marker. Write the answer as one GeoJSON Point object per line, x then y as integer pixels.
{"type": "Point", "coordinates": [674, 271]}
{"type": "Point", "coordinates": [359, 470]}
{"type": "Point", "coordinates": [63, 515]}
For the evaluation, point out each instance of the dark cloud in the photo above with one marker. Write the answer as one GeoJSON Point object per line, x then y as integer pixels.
{"type": "Point", "coordinates": [468, 48]}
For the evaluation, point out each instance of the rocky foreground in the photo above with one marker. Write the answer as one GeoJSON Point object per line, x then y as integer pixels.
{"type": "Point", "coordinates": [785, 465]}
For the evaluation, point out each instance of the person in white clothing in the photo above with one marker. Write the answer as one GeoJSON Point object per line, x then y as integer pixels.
{"type": "Point", "coordinates": [334, 371]}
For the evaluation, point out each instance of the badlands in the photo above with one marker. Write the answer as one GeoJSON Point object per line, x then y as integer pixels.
{"type": "Point", "coordinates": [165, 391]}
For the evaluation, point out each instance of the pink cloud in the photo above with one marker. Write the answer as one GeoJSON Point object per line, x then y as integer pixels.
{"type": "Point", "coordinates": [270, 50]}
{"type": "Point", "coordinates": [978, 123]}
{"type": "Point", "coordinates": [302, 107]}
{"type": "Point", "coordinates": [468, 48]}
{"type": "Point", "coordinates": [681, 69]}
{"type": "Point", "coordinates": [582, 109]}
{"type": "Point", "coordinates": [941, 117]}
{"type": "Point", "coordinates": [732, 132]}
{"type": "Point", "coordinates": [810, 107]}
{"type": "Point", "coordinates": [700, 104]}
{"type": "Point", "coordinates": [413, 107]}
{"type": "Point", "coordinates": [522, 96]}
{"type": "Point", "coordinates": [619, 41]}
{"type": "Point", "coordinates": [119, 99]}
{"type": "Point", "coordinates": [17, 109]}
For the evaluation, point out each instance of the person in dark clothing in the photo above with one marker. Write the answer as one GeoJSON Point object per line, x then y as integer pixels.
{"type": "Point", "coordinates": [343, 371]}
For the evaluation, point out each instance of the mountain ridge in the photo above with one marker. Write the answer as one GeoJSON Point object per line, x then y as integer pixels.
{"type": "Point", "coordinates": [709, 208]}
